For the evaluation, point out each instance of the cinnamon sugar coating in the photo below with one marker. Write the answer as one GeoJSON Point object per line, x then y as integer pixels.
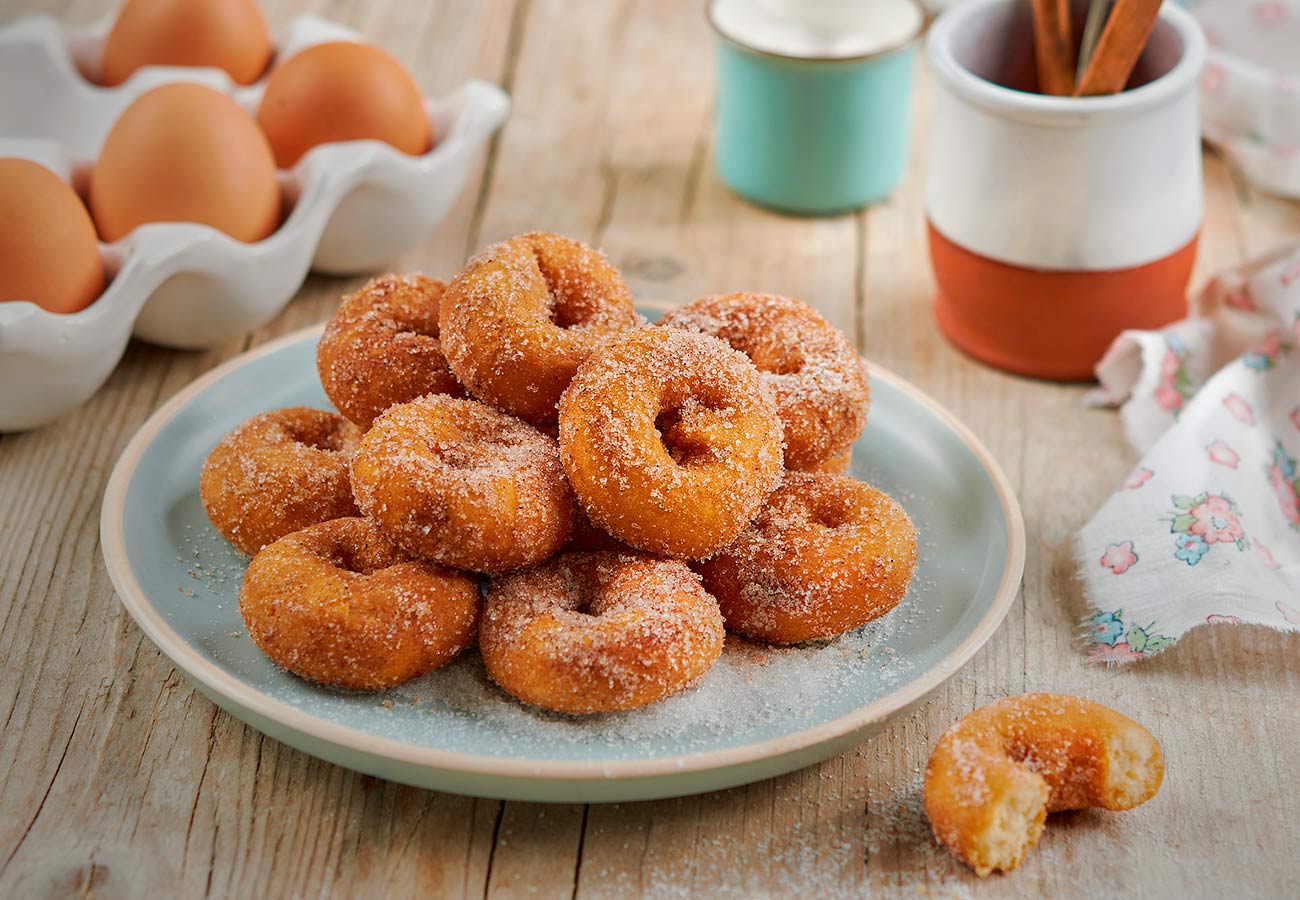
{"type": "Point", "coordinates": [996, 774]}
{"type": "Point", "coordinates": [670, 441]}
{"type": "Point", "coordinates": [521, 317]}
{"type": "Point", "coordinates": [338, 604]}
{"type": "Point", "coordinates": [277, 472]}
{"type": "Point", "coordinates": [817, 378]}
{"type": "Point", "coordinates": [463, 484]}
{"type": "Point", "coordinates": [824, 556]}
{"type": "Point", "coordinates": [381, 347]}
{"type": "Point", "coordinates": [596, 632]}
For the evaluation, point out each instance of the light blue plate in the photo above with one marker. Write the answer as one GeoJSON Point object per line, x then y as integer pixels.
{"type": "Point", "coordinates": [760, 711]}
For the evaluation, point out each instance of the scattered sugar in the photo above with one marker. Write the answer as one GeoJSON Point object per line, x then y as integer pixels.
{"type": "Point", "coordinates": [752, 688]}
{"type": "Point", "coordinates": [899, 838]}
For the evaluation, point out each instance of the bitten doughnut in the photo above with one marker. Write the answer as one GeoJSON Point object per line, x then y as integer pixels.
{"type": "Point", "coordinates": [278, 472]}
{"type": "Point", "coordinates": [381, 348]}
{"type": "Point", "coordinates": [338, 604]}
{"type": "Point", "coordinates": [462, 484]}
{"type": "Point", "coordinates": [818, 380]}
{"type": "Point", "coordinates": [825, 555]}
{"type": "Point", "coordinates": [995, 775]}
{"type": "Point", "coordinates": [523, 314]}
{"type": "Point", "coordinates": [670, 441]}
{"type": "Point", "coordinates": [596, 632]}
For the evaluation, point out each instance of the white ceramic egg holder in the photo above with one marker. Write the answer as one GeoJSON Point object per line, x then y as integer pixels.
{"type": "Point", "coordinates": [352, 207]}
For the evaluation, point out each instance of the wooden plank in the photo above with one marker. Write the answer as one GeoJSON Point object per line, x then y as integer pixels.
{"type": "Point", "coordinates": [118, 777]}
{"type": "Point", "coordinates": [538, 851]}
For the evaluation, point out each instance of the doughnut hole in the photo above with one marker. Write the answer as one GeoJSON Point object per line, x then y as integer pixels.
{"type": "Point", "coordinates": [320, 433]}
{"type": "Point", "coordinates": [770, 355]}
{"type": "Point", "coordinates": [570, 301]}
{"type": "Point", "coordinates": [693, 431]}
{"type": "Point", "coordinates": [361, 557]}
{"type": "Point", "coordinates": [832, 510]}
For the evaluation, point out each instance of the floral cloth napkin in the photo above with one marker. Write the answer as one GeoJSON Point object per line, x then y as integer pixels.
{"type": "Point", "coordinates": [1250, 88]}
{"type": "Point", "coordinates": [1207, 528]}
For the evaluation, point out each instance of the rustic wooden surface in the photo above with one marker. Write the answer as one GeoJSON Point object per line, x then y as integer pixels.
{"type": "Point", "coordinates": [118, 780]}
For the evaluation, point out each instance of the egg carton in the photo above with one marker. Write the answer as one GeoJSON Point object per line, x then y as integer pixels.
{"type": "Point", "coordinates": [351, 207]}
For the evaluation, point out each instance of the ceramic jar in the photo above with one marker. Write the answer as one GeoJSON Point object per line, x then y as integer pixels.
{"type": "Point", "coordinates": [1055, 223]}
{"type": "Point", "coordinates": [813, 100]}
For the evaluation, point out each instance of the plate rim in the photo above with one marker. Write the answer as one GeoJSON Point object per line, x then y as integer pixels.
{"type": "Point", "coordinates": [246, 697]}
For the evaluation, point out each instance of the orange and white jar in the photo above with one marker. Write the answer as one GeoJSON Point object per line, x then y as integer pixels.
{"type": "Point", "coordinates": [1055, 223]}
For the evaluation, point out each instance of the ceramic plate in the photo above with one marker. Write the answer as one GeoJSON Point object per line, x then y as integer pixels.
{"type": "Point", "coordinates": [759, 712]}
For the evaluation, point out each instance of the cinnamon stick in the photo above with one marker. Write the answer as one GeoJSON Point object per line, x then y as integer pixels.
{"type": "Point", "coordinates": [1054, 47]}
{"type": "Point", "coordinates": [1122, 42]}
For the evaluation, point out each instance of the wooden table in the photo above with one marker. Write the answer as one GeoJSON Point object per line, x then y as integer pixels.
{"type": "Point", "coordinates": [117, 779]}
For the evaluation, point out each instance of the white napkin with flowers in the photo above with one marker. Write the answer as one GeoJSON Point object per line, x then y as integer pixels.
{"type": "Point", "coordinates": [1250, 87]}
{"type": "Point", "coordinates": [1206, 529]}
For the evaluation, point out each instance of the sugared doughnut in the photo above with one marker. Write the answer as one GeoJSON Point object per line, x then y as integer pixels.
{"type": "Point", "coordinates": [670, 441]}
{"type": "Point", "coordinates": [462, 484]}
{"type": "Point", "coordinates": [278, 472]}
{"type": "Point", "coordinates": [338, 604]}
{"type": "Point", "coordinates": [818, 380]}
{"type": "Point", "coordinates": [995, 775]}
{"type": "Point", "coordinates": [381, 348]}
{"type": "Point", "coordinates": [825, 555]}
{"type": "Point", "coordinates": [595, 632]}
{"type": "Point", "coordinates": [523, 314]}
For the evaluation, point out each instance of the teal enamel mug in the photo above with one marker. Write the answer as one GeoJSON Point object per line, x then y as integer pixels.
{"type": "Point", "coordinates": [813, 99]}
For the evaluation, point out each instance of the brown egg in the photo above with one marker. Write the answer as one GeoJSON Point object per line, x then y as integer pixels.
{"type": "Point", "coordinates": [227, 34]}
{"type": "Point", "coordinates": [342, 91]}
{"type": "Point", "coordinates": [48, 251]}
{"type": "Point", "coordinates": [185, 153]}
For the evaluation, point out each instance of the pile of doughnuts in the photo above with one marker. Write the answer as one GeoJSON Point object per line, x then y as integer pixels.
{"type": "Point", "coordinates": [619, 494]}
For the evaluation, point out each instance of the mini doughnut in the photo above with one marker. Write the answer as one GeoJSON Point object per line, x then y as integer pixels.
{"type": "Point", "coordinates": [338, 604]}
{"type": "Point", "coordinates": [596, 632]}
{"type": "Point", "coordinates": [381, 348]}
{"type": "Point", "coordinates": [825, 555]}
{"type": "Point", "coordinates": [995, 775]}
{"type": "Point", "coordinates": [522, 315]}
{"type": "Point", "coordinates": [278, 472]}
{"type": "Point", "coordinates": [462, 484]}
{"type": "Point", "coordinates": [818, 380]}
{"type": "Point", "coordinates": [670, 441]}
